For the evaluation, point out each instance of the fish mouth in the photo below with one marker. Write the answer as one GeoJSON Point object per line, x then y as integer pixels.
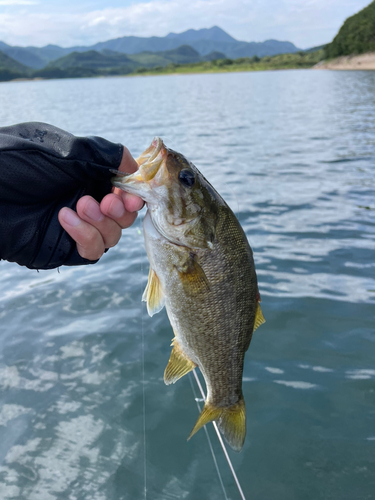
{"type": "Point", "coordinates": [149, 163]}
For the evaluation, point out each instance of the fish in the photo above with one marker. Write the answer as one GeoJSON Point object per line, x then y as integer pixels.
{"type": "Point", "coordinates": [202, 271]}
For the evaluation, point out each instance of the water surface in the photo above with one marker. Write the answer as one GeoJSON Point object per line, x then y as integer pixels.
{"type": "Point", "coordinates": [293, 153]}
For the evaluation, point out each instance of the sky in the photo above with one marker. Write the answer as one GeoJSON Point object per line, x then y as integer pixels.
{"type": "Point", "coordinates": [306, 23]}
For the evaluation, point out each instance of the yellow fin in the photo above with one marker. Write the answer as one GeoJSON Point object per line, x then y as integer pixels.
{"type": "Point", "coordinates": [209, 413]}
{"type": "Point", "coordinates": [193, 276]}
{"type": "Point", "coordinates": [232, 425]}
{"type": "Point", "coordinates": [178, 366]}
{"type": "Point", "coordinates": [259, 318]}
{"type": "Point", "coordinates": [153, 294]}
{"type": "Point", "coordinates": [231, 422]}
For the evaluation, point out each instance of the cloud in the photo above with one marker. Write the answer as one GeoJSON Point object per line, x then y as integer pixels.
{"type": "Point", "coordinates": [17, 2]}
{"type": "Point", "coordinates": [304, 22]}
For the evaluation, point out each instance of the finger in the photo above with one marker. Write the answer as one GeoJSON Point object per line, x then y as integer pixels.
{"type": "Point", "coordinates": [112, 206]}
{"type": "Point", "coordinates": [132, 203]}
{"type": "Point", "coordinates": [89, 211]}
{"type": "Point", "coordinates": [90, 244]}
{"type": "Point", "coordinates": [128, 163]}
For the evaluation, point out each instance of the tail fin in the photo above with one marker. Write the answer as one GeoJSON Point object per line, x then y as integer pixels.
{"type": "Point", "coordinates": [231, 422]}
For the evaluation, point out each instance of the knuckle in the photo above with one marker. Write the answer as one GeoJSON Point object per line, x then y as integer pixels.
{"type": "Point", "coordinates": [112, 240]}
{"type": "Point", "coordinates": [89, 253]}
{"type": "Point", "coordinates": [91, 245]}
{"type": "Point", "coordinates": [110, 233]}
{"type": "Point", "coordinates": [129, 220]}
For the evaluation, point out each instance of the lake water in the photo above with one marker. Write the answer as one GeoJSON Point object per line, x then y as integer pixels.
{"type": "Point", "coordinates": [293, 153]}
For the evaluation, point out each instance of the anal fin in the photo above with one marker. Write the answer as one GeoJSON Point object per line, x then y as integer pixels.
{"type": "Point", "coordinates": [178, 366]}
{"type": "Point", "coordinates": [259, 318]}
{"type": "Point", "coordinates": [153, 294]}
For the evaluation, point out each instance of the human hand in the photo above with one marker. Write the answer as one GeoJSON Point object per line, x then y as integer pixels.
{"type": "Point", "coordinates": [96, 227]}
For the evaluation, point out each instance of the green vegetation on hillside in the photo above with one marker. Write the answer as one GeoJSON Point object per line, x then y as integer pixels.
{"type": "Point", "coordinates": [92, 63]}
{"type": "Point", "coordinates": [11, 69]}
{"type": "Point", "coordinates": [107, 62]}
{"type": "Point", "coordinates": [356, 36]}
{"type": "Point", "coordinates": [298, 60]}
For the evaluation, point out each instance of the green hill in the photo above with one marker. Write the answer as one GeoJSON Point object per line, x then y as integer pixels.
{"type": "Point", "coordinates": [109, 62]}
{"type": "Point", "coordinates": [299, 60]}
{"type": "Point", "coordinates": [182, 55]}
{"type": "Point", "coordinates": [184, 59]}
{"type": "Point", "coordinates": [93, 60]}
{"type": "Point", "coordinates": [356, 36]}
{"type": "Point", "coordinates": [11, 69]}
{"type": "Point", "coordinates": [204, 41]}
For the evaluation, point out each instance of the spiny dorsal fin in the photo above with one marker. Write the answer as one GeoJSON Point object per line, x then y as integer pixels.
{"type": "Point", "coordinates": [178, 366]}
{"type": "Point", "coordinates": [153, 294]}
{"type": "Point", "coordinates": [231, 422]}
{"type": "Point", "coordinates": [259, 318]}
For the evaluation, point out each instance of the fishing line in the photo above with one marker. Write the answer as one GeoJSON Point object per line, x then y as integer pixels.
{"type": "Point", "coordinates": [221, 442]}
{"type": "Point", "coordinates": [209, 440]}
{"type": "Point", "coordinates": [143, 399]}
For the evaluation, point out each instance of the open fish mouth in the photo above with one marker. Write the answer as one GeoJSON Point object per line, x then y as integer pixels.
{"type": "Point", "coordinates": [149, 163]}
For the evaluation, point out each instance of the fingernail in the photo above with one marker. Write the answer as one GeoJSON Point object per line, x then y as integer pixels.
{"type": "Point", "coordinates": [116, 209]}
{"type": "Point", "coordinates": [92, 211]}
{"type": "Point", "coordinates": [70, 217]}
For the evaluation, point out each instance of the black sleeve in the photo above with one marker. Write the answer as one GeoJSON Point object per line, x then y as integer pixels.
{"type": "Point", "coordinates": [42, 169]}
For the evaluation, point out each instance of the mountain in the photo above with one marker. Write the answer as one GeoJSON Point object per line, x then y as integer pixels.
{"type": "Point", "coordinates": [25, 56]}
{"type": "Point", "coordinates": [214, 34]}
{"type": "Point", "coordinates": [34, 57]}
{"type": "Point", "coordinates": [356, 35]}
{"type": "Point", "coordinates": [314, 49]}
{"type": "Point", "coordinates": [212, 56]}
{"type": "Point", "coordinates": [231, 48]}
{"type": "Point", "coordinates": [245, 49]}
{"type": "Point", "coordinates": [204, 41]}
{"type": "Point", "coordinates": [7, 62]}
{"type": "Point", "coordinates": [93, 60]}
{"type": "Point", "coordinates": [10, 69]}
{"type": "Point", "coordinates": [182, 55]}
{"type": "Point", "coordinates": [115, 63]}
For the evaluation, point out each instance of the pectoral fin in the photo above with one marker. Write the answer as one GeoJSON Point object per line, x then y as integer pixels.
{"type": "Point", "coordinates": [153, 294]}
{"type": "Point", "coordinates": [259, 318]}
{"type": "Point", "coordinates": [192, 276]}
{"type": "Point", "coordinates": [178, 366]}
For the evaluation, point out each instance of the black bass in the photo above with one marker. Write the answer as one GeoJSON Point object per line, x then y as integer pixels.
{"type": "Point", "coordinates": [202, 270]}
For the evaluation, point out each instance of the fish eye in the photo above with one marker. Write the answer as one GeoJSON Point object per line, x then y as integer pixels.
{"type": "Point", "coordinates": [186, 177]}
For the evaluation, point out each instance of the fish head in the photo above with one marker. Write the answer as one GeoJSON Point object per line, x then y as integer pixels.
{"type": "Point", "coordinates": [182, 204]}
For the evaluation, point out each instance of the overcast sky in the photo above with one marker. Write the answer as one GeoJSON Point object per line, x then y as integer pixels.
{"type": "Point", "coordinates": [306, 23]}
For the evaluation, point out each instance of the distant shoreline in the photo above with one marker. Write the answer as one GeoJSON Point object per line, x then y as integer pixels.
{"type": "Point", "coordinates": [352, 63]}
{"type": "Point", "coordinates": [156, 73]}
